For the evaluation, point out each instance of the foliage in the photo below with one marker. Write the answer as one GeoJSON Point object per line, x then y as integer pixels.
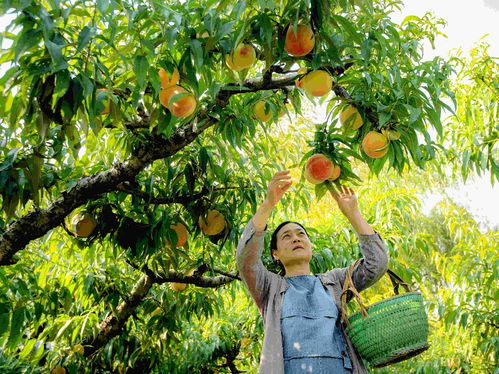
{"type": "Point", "coordinates": [138, 169]}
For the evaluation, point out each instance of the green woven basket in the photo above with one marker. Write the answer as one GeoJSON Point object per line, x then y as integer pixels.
{"type": "Point", "coordinates": [389, 331]}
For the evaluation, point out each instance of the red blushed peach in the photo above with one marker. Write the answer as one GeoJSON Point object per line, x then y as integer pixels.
{"type": "Point", "coordinates": [301, 42]}
{"type": "Point", "coordinates": [320, 168]}
{"type": "Point", "coordinates": [183, 107]}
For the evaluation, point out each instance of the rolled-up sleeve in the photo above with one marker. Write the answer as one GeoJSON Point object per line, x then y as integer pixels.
{"type": "Point", "coordinates": [251, 269]}
{"type": "Point", "coordinates": [372, 265]}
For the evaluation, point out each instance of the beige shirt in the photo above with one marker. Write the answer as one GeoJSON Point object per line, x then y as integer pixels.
{"type": "Point", "coordinates": [268, 288]}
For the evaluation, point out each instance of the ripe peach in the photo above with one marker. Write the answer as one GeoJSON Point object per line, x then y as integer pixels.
{"type": "Point", "coordinates": [183, 106]}
{"type": "Point", "coordinates": [320, 168]}
{"type": "Point", "coordinates": [167, 79]}
{"type": "Point", "coordinates": [351, 118]}
{"type": "Point", "coordinates": [260, 112]}
{"type": "Point", "coordinates": [181, 232]}
{"type": "Point", "coordinates": [241, 58]}
{"type": "Point", "coordinates": [83, 224]}
{"type": "Point", "coordinates": [214, 223]}
{"type": "Point", "coordinates": [58, 370]}
{"type": "Point", "coordinates": [78, 348]}
{"type": "Point", "coordinates": [301, 42]}
{"type": "Point", "coordinates": [178, 287]}
{"type": "Point", "coordinates": [316, 83]}
{"type": "Point", "coordinates": [375, 144]}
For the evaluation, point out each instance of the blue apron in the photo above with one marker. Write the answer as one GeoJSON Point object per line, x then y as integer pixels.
{"type": "Point", "coordinates": [312, 341]}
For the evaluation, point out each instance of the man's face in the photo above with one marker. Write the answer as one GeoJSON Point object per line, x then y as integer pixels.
{"type": "Point", "coordinates": [293, 245]}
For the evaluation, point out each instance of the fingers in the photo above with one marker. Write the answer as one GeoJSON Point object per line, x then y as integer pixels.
{"type": "Point", "coordinates": [286, 186]}
{"type": "Point", "coordinates": [345, 191]}
{"type": "Point", "coordinates": [281, 179]}
{"type": "Point", "coordinates": [281, 175]}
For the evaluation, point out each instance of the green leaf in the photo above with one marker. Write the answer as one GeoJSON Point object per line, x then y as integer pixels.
{"type": "Point", "coordinates": [140, 66]}
{"type": "Point", "coordinates": [84, 37]}
{"type": "Point", "coordinates": [414, 113]}
{"type": "Point", "coordinates": [27, 348]}
{"type": "Point", "coordinates": [27, 41]}
{"type": "Point", "coordinates": [86, 83]}
{"type": "Point", "coordinates": [103, 5]}
{"type": "Point", "coordinates": [349, 28]}
{"type": "Point", "coordinates": [17, 321]}
{"type": "Point", "coordinates": [63, 328]}
{"type": "Point", "coordinates": [4, 319]}
{"type": "Point", "coordinates": [61, 85]}
{"type": "Point", "coordinates": [55, 51]}
{"type": "Point", "coordinates": [197, 52]}
{"type": "Point", "coordinates": [203, 158]}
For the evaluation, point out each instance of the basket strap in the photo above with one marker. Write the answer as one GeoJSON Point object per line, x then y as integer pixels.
{"type": "Point", "coordinates": [396, 281]}
{"type": "Point", "coordinates": [349, 286]}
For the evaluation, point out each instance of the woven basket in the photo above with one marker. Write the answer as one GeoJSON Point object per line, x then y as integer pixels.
{"type": "Point", "coordinates": [389, 331]}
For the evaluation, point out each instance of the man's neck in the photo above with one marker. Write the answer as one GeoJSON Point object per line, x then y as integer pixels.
{"type": "Point", "coordinates": [298, 270]}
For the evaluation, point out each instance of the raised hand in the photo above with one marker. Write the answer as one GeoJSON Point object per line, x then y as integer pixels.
{"type": "Point", "coordinates": [278, 186]}
{"type": "Point", "coordinates": [347, 201]}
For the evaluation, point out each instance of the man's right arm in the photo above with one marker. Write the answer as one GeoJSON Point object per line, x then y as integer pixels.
{"type": "Point", "coordinates": [250, 247]}
{"type": "Point", "coordinates": [251, 269]}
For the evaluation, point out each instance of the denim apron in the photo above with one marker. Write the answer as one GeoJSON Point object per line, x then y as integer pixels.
{"type": "Point", "coordinates": [312, 341]}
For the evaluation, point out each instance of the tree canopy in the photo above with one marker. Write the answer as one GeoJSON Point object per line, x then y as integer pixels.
{"type": "Point", "coordinates": [137, 139]}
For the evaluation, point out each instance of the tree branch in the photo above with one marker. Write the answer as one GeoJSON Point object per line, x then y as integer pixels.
{"type": "Point", "coordinates": [39, 221]}
{"type": "Point", "coordinates": [113, 324]}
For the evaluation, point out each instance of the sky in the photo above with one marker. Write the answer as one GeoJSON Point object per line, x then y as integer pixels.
{"type": "Point", "coordinates": [467, 22]}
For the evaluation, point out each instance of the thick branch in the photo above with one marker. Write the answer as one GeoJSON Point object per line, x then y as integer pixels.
{"type": "Point", "coordinates": [114, 324]}
{"type": "Point", "coordinates": [39, 221]}
{"type": "Point", "coordinates": [206, 282]}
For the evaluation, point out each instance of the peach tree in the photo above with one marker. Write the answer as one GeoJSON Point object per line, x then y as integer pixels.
{"type": "Point", "coordinates": [122, 123]}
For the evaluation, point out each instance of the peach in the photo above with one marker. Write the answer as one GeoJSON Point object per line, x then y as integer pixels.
{"type": "Point", "coordinates": [183, 106]}
{"type": "Point", "coordinates": [301, 42]}
{"type": "Point", "coordinates": [375, 144]}
{"type": "Point", "coordinates": [316, 83]}
{"type": "Point", "coordinates": [351, 118]}
{"type": "Point", "coordinates": [181, 232]}
{"type": "Point", "coordinates": [167, 79]}
{"type": "Point", "coordinates": [213, 224]}
{"type": "Point", "coordinates": [260, 112]}
{"type": "Point", "coordinates": [241, 58]}
{"type": "Point", "coordinates": [320, 168]}
{"type": "Point", "coordinates": [178, 287]}
{"type": "Point", "coordinates": [83, 224]}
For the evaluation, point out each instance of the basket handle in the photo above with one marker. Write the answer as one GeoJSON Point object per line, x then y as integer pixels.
{"type": "Point", "coordinates": [349, 286]}
{"type": "Point", "coordinates": [397, 281]}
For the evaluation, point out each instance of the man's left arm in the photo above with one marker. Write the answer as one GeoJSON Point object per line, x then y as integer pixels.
{"type": "Point", "coordinates": [375, 255]}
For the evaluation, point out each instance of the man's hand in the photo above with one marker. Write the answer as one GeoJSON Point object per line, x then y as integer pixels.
{"type": "Point", "coordinates": [276, 189]}
{"type": "Point", "coordinates": [278, 186]}
{"type": "Point", "coordinates": [347, 201]}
